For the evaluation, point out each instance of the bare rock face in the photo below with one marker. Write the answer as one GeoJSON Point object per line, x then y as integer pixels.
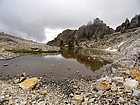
{"type": "Point", "coordinates": [63, 37]}
{"type": "Point", "coordinates": [97, 29]}
{"type": "Point", "coordinates": [135, 22]}
{"type": "Point", "coordinates": [125, 25]}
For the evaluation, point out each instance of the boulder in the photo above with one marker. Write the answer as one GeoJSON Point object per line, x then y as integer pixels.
{"type": "Point", "coordinates": [29, 84]}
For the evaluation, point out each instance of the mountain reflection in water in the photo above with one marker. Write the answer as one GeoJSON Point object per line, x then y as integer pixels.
{"type": "Point", "coordinates": [82, 56]}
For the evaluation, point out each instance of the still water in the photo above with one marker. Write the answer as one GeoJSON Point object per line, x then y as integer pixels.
{"type": "Point", "coordinates": [68, 64]}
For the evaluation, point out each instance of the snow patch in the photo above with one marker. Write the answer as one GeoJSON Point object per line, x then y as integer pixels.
{"type": "Point", "coordinates": [111, 50]}
{"type": "Point", "coordinates": [121, 44]}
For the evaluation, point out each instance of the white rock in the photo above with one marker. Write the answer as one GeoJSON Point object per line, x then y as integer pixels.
{"type": "Point", "coordinates": [107, 78]}
{"type": "Point", "coordinates": [91, 100]}
{"type": "Point", "coordinates": [131, 83]}
{"type": "Point", "coordinates": [118, 79]}
{"type": "Point", "coordinates": [121, 99]}
{"type": "Point", "coordinates": [1, 98]}
{"type": "Point", "coordinates": [136, 93]}
{"type": "Point", "coordinates": [79, 98]}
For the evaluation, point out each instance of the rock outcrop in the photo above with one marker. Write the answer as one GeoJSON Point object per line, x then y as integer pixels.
{"type": "Point", "coordinates": [94, 30]}
{"type": "Point", "coordinates": [63, 38]}
{"type": "Point", "coordinates": [135, 22]}
{"type": "Point", "coordinates": [97, 29]}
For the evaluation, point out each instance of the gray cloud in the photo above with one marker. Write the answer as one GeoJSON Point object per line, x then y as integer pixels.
{"type": "Point", "coordinates": [29, 18]}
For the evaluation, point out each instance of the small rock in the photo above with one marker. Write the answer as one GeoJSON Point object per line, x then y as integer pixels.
{"type": "Point", "coordinates": [118, 79]}
{"type": "Point", "coordinates": [68, 68]}
{"type": "Point", "coordinates": [1, 98]}
{"type": "Point", "coordinates": [100, 92]}
{"type": "Point", "coordinates": [24, 74]}
{"type": "Point", "coordinates": [131, 83]}
{"type": "Point", "coordinates": [91, 100]}
{"type": "Point", "coordinates": [121, 100]}
{"type": "Point", "coordinates": [138, 78]}
{"type": "Point", "coordinates": [113, 87]}
{"type": "Point", "coordinates": [136, 93]}
{"type": "Point", "coordinates": [42, 103]}
{"type": "Point", "coordinates": [103, 83]}
{"type": "Point", "coordinates": [77, 72]}
{"type": "Point", "coordinates": [53, 65]}
{"type": "Point", "coordinates": [79, 98]}
{"type": "Point", "coordinates": [29, 84]}
{"type": "Point", "coordinates": [134, 73]}
{"type": "Point", "coordinates": [114, 70]}
{"type": "Point", "coordinates": [6, 64]}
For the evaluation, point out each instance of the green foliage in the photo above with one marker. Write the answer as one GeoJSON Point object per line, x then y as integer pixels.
{"type": "Point", "coordinates": [70, 44]}
{"type": "Point", "coordinates": [61, 43]}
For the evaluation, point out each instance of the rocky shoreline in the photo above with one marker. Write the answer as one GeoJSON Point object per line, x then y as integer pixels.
{"type": "Point", "coordinates": [113, 84]}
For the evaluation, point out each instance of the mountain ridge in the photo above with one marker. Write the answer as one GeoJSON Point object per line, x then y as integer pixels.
{"type": "Point", "coordinates": [92, 31]}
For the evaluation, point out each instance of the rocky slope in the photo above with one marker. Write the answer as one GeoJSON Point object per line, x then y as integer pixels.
{"type": "Point", "coordinates": [94, 30]}
{"type": "Point", "coordinates": [10, 44]}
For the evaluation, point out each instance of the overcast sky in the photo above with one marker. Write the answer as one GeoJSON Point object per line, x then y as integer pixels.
{"type": "Point", "coordinates": [42, 20]}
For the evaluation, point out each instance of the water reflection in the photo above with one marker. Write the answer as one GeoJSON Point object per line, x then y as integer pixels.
{"type": "Point", "coordinates": [59, 56]}
{"type": "Point", "coordinates": [82, 56]}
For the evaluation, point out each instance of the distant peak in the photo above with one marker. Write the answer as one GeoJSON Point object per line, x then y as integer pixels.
{"type": "Point", "coordinates": [97, 21]}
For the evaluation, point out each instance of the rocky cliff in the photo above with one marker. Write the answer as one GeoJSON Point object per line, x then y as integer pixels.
{"type": "Point", "coordinates": [94, 30]}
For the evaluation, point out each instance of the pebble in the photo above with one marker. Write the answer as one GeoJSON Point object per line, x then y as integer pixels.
{"type": "Point", "coordinates": [79, 98]}
{"type": "Point", "coordinates": [91, 100]}
{"type": "Point", "coordinates": [6, 64]}
{"type": "Point", "coordinates": [118, 79]}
